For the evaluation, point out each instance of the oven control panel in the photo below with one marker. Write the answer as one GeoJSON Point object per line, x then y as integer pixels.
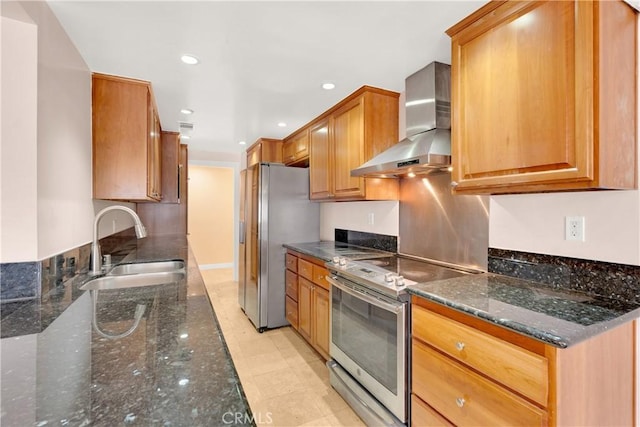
{"type": "Point", "coordinates": [367, 274]}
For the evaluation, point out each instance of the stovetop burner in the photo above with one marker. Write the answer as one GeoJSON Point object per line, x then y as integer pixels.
{"type": "Point", "coordinates": [390, 275]}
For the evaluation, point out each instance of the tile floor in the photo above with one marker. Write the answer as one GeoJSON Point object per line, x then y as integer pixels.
{"type": "Point", "coordinates": [284, 379]}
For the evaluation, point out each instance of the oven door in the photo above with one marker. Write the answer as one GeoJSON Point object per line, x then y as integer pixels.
{"type": "Point", "coordinates": [369, 341]}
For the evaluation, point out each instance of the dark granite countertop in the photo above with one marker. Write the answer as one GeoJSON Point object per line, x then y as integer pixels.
{"type": "Point", "coordinates": [557, 317]}
{"type": "Point", "coordinates": [326, 250]}
{"type": "Point", "coordinates": [140, 356]}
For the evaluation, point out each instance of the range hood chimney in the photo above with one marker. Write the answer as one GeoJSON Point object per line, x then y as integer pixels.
{"type": "Point", "coordinates": [427, 146]}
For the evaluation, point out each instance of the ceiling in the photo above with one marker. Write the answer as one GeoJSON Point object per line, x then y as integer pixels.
{"type": "Point", "coordinates": [261, 62]}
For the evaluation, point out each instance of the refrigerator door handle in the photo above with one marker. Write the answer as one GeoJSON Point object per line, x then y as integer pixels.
{"type": "Point", "coordinates": [242, 232]}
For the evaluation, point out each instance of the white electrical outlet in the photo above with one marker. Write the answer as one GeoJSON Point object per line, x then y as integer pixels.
{"type": "Point", "coordinates": [574, 228]}
{"type": "Point", "coordinates": [370, 218]}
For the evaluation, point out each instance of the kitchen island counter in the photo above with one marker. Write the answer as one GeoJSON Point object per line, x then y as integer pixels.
{"type": "Point", "coordinates": [558, 317]}
{"type": "Point", "coordinates": [137, 356]}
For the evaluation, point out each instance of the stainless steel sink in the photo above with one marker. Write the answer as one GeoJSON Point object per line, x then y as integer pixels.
{"type": "Point", "coordinates": [147, 267]}
{"type": "Point", "coordinates": [133, 280]}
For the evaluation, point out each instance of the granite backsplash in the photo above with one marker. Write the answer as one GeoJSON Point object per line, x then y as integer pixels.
{"type": "Point", "coordinates": [598, 278]}
{"type": "Point", "coordinates": [25, 281]}
{"type": "Point", "coordinates": [381, 242]}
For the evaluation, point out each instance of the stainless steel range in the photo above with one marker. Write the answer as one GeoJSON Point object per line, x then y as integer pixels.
{"type": "Point", "coordinates": [369, 328]}
{"type": "Point", "coordinates": [440, 236]}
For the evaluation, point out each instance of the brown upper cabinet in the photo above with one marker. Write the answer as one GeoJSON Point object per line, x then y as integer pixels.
{"type": "Point", "coordinates": [126, 140]}
{"type": "Point", "coordinates": [351, 133]}
{"type": "Point", "coordinates": [544, 97]}
{"type": "Point", "coordinates": [320, 160]}
{"type": "Point", "coordinates": [264, 150]}
{"type": "Point", "coordinates": [169, 216]}
{"type": "Point", "coordinates": [295, 149]}
{"type": "Point", "coordinates": [172, 165]}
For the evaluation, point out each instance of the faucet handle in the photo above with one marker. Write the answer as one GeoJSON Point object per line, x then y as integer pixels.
{"type": "Point", "coordinates": [106, 260]}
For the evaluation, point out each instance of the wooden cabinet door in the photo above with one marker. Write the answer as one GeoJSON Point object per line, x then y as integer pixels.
{"type": "Point", "coordinates": [320, 161]}
{"type": "Point", "coordinates": [170, 216]}
{"type": "Point", "coordinates": [264, 150]}
{"type": "Point", "coordinates": [296, 148]}
{"type": "Point", "coordinates": [271, 150]}
{"type": "Point", "coordinates": [291, 262]}
{"type": "Point", "coordinates": [291, 284]}
{"type": "Point", "coordinates": [155, 154]}
{"type": "Point", "coordinates": [525, 94]}
{"type": "Point", "coordinates": [126, 146]}
{"type": "Point", "coordinates": [506, 363]}
{"type": "Point", "coordinates": [291, 311]}
{"type": "Point", "coordinates": [170, 167]}
{"type": "Point", "coordinates": [465, 397]}
{"type": "Point", "coordinates": [305, 304]}
{"type": "Point", "coordinates": [121, 126]}
{"type": "Point", "coordinates": [348, 143]}
{"type": "Point", "coordinates": [321, 322]}
{"type": "Point", "coordinates": [183, 178]}
{"type": "Point", "coordinates": [253, 155]}
{"type": "Point", "coordinates": [422, 415]}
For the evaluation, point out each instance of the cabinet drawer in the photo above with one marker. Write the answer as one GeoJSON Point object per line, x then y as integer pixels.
{"type": "Point", "coordinates": [320, 276]}
{"type": "Point", "coordinates": [422, 415]}
{"type": "Point", "coordinates": [291, 310]}
{"type": "Point", "coordinates": [515, 367]}
{"type": "Point", "coordinates": [305, 269]}
{"type": "Point", "coordinates": [465, 397]}
{"type": "Point", "coordinates": [291, 261]}
{"type": "Point", "coordinates": [291, 281]}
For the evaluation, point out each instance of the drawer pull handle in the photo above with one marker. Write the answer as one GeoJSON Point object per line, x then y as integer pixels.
{"type": "Point", "coordinates": [460, 402]}
{"type": "Point", "coordinates": [460, 345]}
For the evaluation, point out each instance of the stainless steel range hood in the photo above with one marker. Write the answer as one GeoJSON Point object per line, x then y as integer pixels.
{"type": "Point", "coordinates": [428, 119]}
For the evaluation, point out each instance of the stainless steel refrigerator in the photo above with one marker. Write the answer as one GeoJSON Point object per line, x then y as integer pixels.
{"type": "Point", "coordinates": [275, 210]}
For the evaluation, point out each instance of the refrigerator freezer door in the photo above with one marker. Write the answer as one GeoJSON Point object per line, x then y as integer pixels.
{"type": "Point", "coordinates": [286, 216]}
{"type": "Point", "coordinates": [277, 211]}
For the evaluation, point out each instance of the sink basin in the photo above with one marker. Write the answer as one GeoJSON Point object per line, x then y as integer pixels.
{"type": "Point", "coordinates": [133, 280]}
{"type": "Point", "coordinates": [147, 267]}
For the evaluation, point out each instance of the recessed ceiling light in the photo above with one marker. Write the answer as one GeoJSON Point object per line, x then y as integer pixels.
{"type": "Point", "coordinates": [282, 124]}
{"type": "Point", "coordinates": [242, 143]}
{"type": "Point", "coordinates": [185, 137]}
{"type": "Point", "coordinates": [328, 86]}
{"type": "Point", "coordinates": [189, 59]}
{"type": "Point", "coordinates": [186, 111]}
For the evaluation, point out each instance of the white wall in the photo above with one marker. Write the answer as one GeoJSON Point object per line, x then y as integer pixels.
{"type": "Point", "coordinates": [356, 216]}
{"type": "Point", "coordinates": [46, 195]}
{"type": "Point", "coordinates": [18, 139]}
{"type": "Point", "coordinates": [536, 223]}
{"type": "Point", "coordinates": [65, 210]}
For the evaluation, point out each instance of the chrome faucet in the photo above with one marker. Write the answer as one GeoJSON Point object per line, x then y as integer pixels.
{"type": "Point", "coordinates": [96, 254]}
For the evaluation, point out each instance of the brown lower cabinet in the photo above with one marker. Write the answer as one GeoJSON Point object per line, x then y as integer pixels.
{"type": "Point", "coordinates": [466, 371]}
{"type": "Point", "coordinates": [307, 299]}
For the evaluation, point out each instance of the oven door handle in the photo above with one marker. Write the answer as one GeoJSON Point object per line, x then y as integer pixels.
{"type": "Point", "coordinates": [393, 308]}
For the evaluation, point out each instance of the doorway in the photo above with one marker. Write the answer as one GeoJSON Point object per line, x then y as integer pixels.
{"type": "Point", "coordinates": [212, 216]}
